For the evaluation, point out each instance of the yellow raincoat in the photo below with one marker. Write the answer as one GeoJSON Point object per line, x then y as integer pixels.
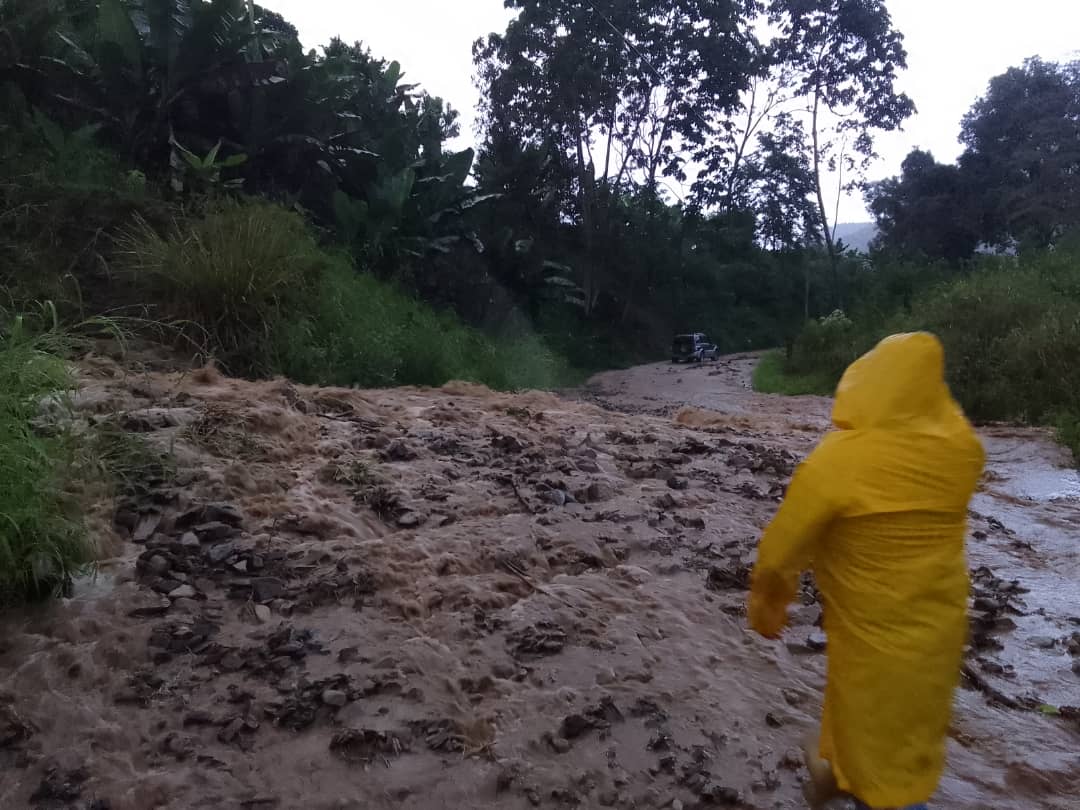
{"type": "Point", "coordinates": [879, 510]}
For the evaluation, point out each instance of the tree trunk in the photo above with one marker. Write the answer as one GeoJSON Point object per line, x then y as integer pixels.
{"type": "Point", "coordinates": [585, 202]}
{"type": "Point", "coordinates": [834, 260]}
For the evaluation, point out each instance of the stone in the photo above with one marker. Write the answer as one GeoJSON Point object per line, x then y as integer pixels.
{"type": "Point", "coordinates": [606, 677]}
{"type": "Point", "coordinates": [556, 496]}
{"type": "Point", "coordinates": [573, 726]}
{"type": "Point", "coordinates": [183, 592]}
{"type": "Point", "coordinates": [410, 520]}
{"type": "Point", "coordinates": [215, 530]}
{"type": "Point", "coordinates": [1076, 667]}
{"type": "Point", "coordinates": [189, 540]}
{"type": "Point", "coordinates": [211, 513]}
{"type": "Point", "coordinates": [231, 731]}
{"type": "Point", "coordinates": [198, 718]}
{"type": "Point", "coordinates": [185, 605]}
{"type": "Point", "coordinates": [152, 610]}
{"type": "Point", "coordinates": [666, 501]}
{"type": "Point", "coordinates": [793, 698]}
{"type": "Point", "coordinates": [165, 585]}
{"type": "Point", "coordinates": [222, 513]}
{"type": "Point", "coordinates": [504, 670]}
{"type": "Point", "coordinates": [266, 589]}
{"type": "Point", "coordinates": [1073, 644]}
{"type": "Point", "coordinates": [232, 662]}
{"type": "Point", "coordinates": [1044, 642]}
{"type": "Point", "coordinates": [335, 697]}
{"type": "Point", "coordinates": [220, 552]}
{"type": "Point", "coordinates": [157, 565]}
{"type": "Point", "coordinates": [263, 613]}
{"type": "Point", "coordinates": [678, 483]}
{"type": "Point", "coordinates": [559, 745]}
{"type": "Point", "coordinates": [146, 527]}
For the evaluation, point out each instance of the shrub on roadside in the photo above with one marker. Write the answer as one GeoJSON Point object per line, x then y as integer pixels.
{"type": "Point", "coordinates": [230, 277]}
{"type": "Point", "coordinates": [42, 543]}
{"type": "Point", "coordinates": [1011, 331]}
{"type": "Point", "coordinates": [362, 331]}
{"type": "Point", "coordinates": [771, 376]}
{"type": "Point", "coordinates": [248, 283]}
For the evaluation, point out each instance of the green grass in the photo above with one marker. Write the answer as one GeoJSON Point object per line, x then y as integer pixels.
{"type": "Point", "coordinates": [362, 331]}
{"type": "Point", "coordinates": [42, 540]}
{"type": "Point", "coordinates": [772, 377]}
{"type": "Point", "coordinates": [229, 277]}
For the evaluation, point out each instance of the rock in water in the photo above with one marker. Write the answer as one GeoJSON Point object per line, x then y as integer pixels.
{"type": "Point", "coordinates": [410, 520]}
{"type": "Point", "coordinates": [157, 565]}
{"type": "Point", "coordinates": [599, 491]}
{"type": "Point", "coordinates": [335, 697]}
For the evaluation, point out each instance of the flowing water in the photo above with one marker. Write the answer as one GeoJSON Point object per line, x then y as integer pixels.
{"type": "Point", "coordinates": [455, 598]}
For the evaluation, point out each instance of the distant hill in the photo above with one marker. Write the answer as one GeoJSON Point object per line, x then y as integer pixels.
{"type": "Point", "coordinates": [856, 235]}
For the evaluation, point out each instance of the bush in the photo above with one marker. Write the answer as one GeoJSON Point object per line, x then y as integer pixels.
{"type": "Point", "coordinates": [362, 331]}
{"type": "Point", "coordinates": [772, 376]}
{"type": "Point", "coordinates": [348, 336]}
{"type": "Point", "coordinates": [230, 277]}
{"type": "Point", "coordinates": [1012, 337]}
{"type": "Point", "coordinates": [1011, 331]}
{"type": "Point", "coordinates": [825, 346]}
{"type": "Point", "coordinates": [41, 546]}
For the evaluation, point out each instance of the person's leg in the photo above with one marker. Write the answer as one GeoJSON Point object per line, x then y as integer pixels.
{"type": "Point", "coordinates": [822, 784]}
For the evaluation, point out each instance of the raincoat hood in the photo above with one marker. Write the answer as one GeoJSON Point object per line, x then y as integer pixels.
{"type": "Point", "coordinates": [899, 384]}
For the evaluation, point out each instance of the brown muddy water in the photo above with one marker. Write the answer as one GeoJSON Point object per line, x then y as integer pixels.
{"type": "Point", "coordinates": [455, 598]}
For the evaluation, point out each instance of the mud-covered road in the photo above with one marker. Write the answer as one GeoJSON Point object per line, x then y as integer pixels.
{"type": "Point", "coordinates": [454, 598]}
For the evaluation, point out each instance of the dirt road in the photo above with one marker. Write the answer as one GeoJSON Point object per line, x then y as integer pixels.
{"type": "Point", "coordinates": [454, 598]}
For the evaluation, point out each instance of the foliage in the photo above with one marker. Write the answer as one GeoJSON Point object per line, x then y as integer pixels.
{"type": "Point", "coordinates": [1016, 185]}
{"type": "Point", "coordinates": [844, 56]}
{"type": "Point", "coordinates": [42, 543]}
{"type": "Point", "coordinates": [1011, 331]}
{"type": "Point", "coordinates": [1023, 153]}
{"type": "Point", "coordinates": [927, 212]}
{"type": "Point", "coordinates": [773, 376]}
{"type": "Point", "coordinates": [361, 331]}
{"type": "Point", "coordinates": [230, 276]}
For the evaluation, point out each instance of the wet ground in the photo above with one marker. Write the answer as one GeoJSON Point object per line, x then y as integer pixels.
{"type": "Point", "coordinates": [455, 598]}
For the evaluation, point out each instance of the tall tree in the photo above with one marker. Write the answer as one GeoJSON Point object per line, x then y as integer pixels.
{"type": "Point", "coordinates": [621, 90]}
{"type": "Point", "coordinates": [927, 212]}
{"type": "Point", "coordinates": [844, 55]}
{"type": "Point", "coordinates": [1023, 152]}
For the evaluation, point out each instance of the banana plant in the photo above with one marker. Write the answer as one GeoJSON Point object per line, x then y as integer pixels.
{"type": "Point", "coordinates": [201, 174]}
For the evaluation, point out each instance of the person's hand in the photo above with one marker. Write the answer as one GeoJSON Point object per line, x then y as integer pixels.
{"type": "Point", "coordinates": [767, 618]}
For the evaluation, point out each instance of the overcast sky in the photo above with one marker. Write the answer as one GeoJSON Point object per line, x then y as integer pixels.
{"type": "Point", "coordinates": [954, 48]}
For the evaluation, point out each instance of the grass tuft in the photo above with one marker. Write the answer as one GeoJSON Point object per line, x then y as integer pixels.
{"type": "Point", "coordinates": [42, 540]}
{"type": "Point", "coordinates": [772, 377]}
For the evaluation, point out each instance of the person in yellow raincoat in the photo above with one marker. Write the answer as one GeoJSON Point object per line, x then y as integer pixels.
{"type": "Point", "coordinates": [878, 511]}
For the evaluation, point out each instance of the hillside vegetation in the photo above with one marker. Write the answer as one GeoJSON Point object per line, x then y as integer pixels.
{"type": "Point", "coordinates": [1011, 330]}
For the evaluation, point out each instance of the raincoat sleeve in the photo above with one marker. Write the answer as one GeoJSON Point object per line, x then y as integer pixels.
{"type": "Point", "coordinates": [789, 543]}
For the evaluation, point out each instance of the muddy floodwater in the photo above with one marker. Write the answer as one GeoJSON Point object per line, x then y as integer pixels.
{"type": "Point", "coordinates": [460, 599]}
